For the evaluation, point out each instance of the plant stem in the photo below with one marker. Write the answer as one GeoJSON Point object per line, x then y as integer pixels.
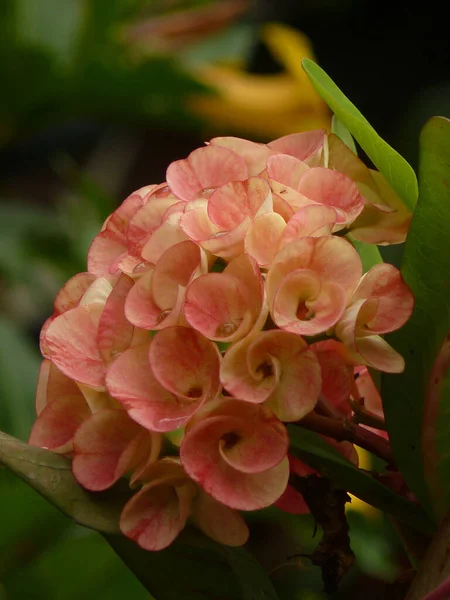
{"type": "Point", "coordinates": [365, 417]}
{"type": "Point", "coordinates": [345, 430]}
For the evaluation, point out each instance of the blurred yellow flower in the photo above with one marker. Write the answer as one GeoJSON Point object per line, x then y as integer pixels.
{"type": "Point", "coordinates": [265, 106]}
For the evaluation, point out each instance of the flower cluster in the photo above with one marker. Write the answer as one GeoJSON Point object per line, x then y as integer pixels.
{"type": "Point", "coordinates": [217, 307]}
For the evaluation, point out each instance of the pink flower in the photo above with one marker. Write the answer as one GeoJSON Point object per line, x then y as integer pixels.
{"type": "Point", "coordinates": [156, 300]}
{"type": "Point", "coordinates": [227, 306]}
{"type": "Point", "coordinates": [219, 223]}
{"type": "Point", "coordinates": [84, 340]}
{"type": "Point", "coordinates": [381, 303]}
{"type": "Point", "coordinates": [110, 246]}
{"type": "Point", "coordinates": [205, 168]}
{"type": "Point", "coordinates": [160, 510]}
{"type": "Point", "coordinates": [237, 452]}
{"type": "Point", "coordinates": [108, 445]}
{"type": "Point", "coordinates": [162, 384]}
{"type": "Point", "coordinates": [61, 408]}
{"type": "Point", "coordinates": [274, 367]}
{"type": "Point", "coordinates": [310, 282]}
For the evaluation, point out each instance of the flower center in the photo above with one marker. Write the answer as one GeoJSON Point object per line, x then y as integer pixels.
{"type": "Point", "coordinates": [226, 329]}
{"type": "Point", "coordinates": [163, 315]}
{"type": "Point", "coordinates": [230, 439]}
{"type": "Point", "coordinates": [304, 313]}
{"type": "Point", "coordinates": [266, 369]}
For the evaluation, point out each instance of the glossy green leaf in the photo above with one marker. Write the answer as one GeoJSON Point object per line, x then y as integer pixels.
{"type": "Point", "coordinates": [343, 134]}
{"type": "Point", "coordinates": [204, 568]}
{"type": "Point", "coordinates": [426, 269]}
{"type": "Point", "coordinates": [394, 167]}
{"type": "Point", "coordinates": [314, 451]}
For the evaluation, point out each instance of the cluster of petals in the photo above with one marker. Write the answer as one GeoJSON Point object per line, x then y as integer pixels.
{"type": "Point", "coordinates": [179, 356]}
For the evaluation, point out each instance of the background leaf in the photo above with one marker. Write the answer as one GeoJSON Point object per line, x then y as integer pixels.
{"type": "Point", "coordinates": [426, 269]}
{"type": "Point", "coordinates": [314, 451]}
{"type": "Point", "coordinates": [394, 167]}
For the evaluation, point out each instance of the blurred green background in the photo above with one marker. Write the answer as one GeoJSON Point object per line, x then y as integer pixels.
{"type": "Point", "coordinates": [97, 98]}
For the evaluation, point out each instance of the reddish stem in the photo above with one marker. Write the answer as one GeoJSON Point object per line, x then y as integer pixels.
{"type": "Point", "coordinates": [345, 430]}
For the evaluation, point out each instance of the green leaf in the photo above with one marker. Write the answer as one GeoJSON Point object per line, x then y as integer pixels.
{"type": "Point", "coordinates": [426, 269]}
{"type": "Point", "coordinates": [203, 567]}
{"type": "Point", "coordinates": [51, 475]}
{"type": "Point", "coordinates": [343, 134]}
{"type": "Point", "coordinates": [314, 451]}
{"type": "Point", "coordinates": [394, 167]}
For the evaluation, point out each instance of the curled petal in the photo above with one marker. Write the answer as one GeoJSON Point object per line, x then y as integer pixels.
{"type": "Point", "coordinates": [208, 167]}
{"type": "Point", "coordinates": [186, 363]}
{"type": "Point", "coordinates": [237, 454]}
{"type": "Point", "coordinates": [306, 306]}
{"type": "Point", "coordinates": [395, 301]}
{"type": "Point", "coordinates": [217, 521]}
{"type": "Point", "coordinates": [72, 344]}
{"type": "Point", "coordinates": [106, 447]}
{"type": "Point", "coordinates": [225, 306]}
{"type": "Point", "coordinates": [309, 221]}
{"type": "Point", "coordinates": [156, 299]}
{"type": "Point", "coordinates": [276, 367]}
{"type": "Point", "coordinates": [158, 512]}
{"type": "Point", "coordinates": [331, 258]}
{"type": "Point", "coordinates": [131, 381]}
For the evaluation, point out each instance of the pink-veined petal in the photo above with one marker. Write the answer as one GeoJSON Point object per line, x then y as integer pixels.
{"type": "Point", "coordinates": [72, 342]}
{"type": "Point", "coordinates": [131, 381]}
{"type": "Point", "coordinates": [217, 521]}
{"type": "Point", "coordinates": [115, 332]}
{"type": "Point", "coordinates": [231, 203]}
{"type": "Point", "coordinates": [303, 146]}
{"type": "Point", "coordinates": [255, 155]}
{"type": "Point", "coordinates": [104, 448]}
{"type": "Point", "coordinates": [72, 291]}
{"type": "Point", "coordinates": [58, 422]}
{"type": "Point", "coordinates": [334, 189]}
{"type": "Point", "coordinates": [157, 513]}
{"type": "Point", "coordinates": [263, 237]}
{"type": "Point", "coordinates": [208, 167]}
{"type": "Point", "coordinates": [186, 363]}
{"type": "Point", "coordinates": [306, 306]}
{"type": "Point", "coordinates": [203, 460]}
{"type": "Point", "coordinates": [377, 353]}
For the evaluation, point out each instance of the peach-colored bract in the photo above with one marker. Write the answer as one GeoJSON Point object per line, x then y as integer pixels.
{"type": "Point", "coordinates": [218, 306]}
